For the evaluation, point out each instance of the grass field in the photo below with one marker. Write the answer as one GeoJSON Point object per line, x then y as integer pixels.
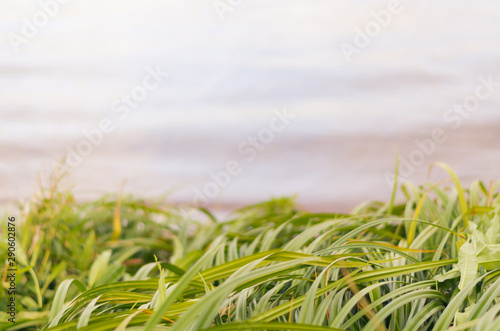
{"type": "Point", "coordinates": [431, 262]}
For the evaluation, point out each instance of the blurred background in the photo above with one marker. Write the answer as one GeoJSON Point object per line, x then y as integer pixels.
{"type": "Point", "coordinates": [357, 79]}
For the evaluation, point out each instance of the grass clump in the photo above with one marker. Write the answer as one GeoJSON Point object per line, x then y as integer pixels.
{"type": "Point", "coordinates": [430, 263]}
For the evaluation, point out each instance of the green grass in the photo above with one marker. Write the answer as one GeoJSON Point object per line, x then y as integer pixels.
{"type": "Point", "coordinates": [429, 263]}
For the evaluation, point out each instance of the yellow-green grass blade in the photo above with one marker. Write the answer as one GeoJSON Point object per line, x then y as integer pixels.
{"type": "Point", "coordinates": [270, 326]}
{"type": "Point", "coordinates": [458, 185]}
{"type": "Point", "coordinates": [368, 276]}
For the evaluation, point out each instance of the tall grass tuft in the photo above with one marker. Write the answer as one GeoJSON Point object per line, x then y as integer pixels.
{"type": "Point", "coordinates": [431, 262]}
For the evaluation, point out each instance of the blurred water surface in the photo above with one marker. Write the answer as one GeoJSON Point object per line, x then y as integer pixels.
{"type": "Point", "coordinates": [225, 80]}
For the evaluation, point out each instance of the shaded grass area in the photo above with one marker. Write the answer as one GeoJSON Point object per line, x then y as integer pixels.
{"type": "Point", "coordinates": [430, 263]}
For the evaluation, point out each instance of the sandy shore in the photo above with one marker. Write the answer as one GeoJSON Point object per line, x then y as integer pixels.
{"type": "Point", "coordinates": [330, 173]}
